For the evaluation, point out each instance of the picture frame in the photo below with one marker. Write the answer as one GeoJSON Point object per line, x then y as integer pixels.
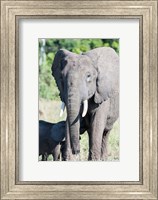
{"type": "Point", "coordinates": [11, 12]}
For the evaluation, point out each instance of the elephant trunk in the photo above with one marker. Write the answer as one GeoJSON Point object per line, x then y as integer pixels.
{"type": "Point", "coordinates": [73, 109]}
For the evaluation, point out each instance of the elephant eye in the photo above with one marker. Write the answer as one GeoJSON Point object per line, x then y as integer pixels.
{"type": "Point", "coordinates": [88, 78]}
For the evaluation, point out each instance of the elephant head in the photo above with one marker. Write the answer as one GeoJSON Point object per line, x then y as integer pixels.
{"type": "Point", "coordinates": [92, 75]}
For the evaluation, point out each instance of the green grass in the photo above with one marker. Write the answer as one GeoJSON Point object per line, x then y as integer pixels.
{"type": "Point", "coordinates": [49, 111]}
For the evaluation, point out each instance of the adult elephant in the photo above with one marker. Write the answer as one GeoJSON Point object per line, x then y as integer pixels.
{"type": "Point", "coordinates": [88, 85]}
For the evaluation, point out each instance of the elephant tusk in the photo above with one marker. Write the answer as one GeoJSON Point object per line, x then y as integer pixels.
{"type": "Point", "coordinates": [62, 109]}
{"type": "Point", "coordinates": [85, 107]}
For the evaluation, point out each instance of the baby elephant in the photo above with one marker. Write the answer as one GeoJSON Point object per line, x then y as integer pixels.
{"type": "Point", "coordinates": [50, 139]}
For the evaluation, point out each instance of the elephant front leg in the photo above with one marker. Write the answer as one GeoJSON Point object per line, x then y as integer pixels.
{"type": "Point", "coordinates": [97, 126]}
{"type": "Point", "coordinates": [95, 139]}
{"type": "Point", "coordinates": [56, 152]}
{"type": "Point", "coordinates": [44, 157]}
{"type": "Point", "coordinates": [104, 148]}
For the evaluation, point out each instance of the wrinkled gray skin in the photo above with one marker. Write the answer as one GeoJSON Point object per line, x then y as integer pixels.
{"type": "Point", "coordinates": [92, 76]}
{"type": "Point", "coordinates": [52, 139]}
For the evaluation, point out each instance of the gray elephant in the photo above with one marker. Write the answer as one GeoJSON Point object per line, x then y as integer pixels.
{"type": "Point", "coordinates": [52, 139]}
{"type": "Point", "coordinates": [89, 86]}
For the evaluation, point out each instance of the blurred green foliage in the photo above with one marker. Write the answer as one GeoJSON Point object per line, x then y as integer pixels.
{"type": "Point", "coordinates": [47, 51]}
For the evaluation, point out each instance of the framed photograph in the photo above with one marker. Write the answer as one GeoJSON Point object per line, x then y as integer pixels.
{"type": "Point", "coordinates": [98, 60]}
{"type": "Point", "coordinates": [55, 58]}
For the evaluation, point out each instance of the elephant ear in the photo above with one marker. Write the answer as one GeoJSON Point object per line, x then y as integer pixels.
{"type": "Point", "coordinates": [58, 65]}
{"type": "Point", "coordinates": [106, 62]}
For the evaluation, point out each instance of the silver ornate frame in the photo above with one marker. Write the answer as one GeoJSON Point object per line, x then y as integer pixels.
{"type": "Point", "coordinates": [11, 12]}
